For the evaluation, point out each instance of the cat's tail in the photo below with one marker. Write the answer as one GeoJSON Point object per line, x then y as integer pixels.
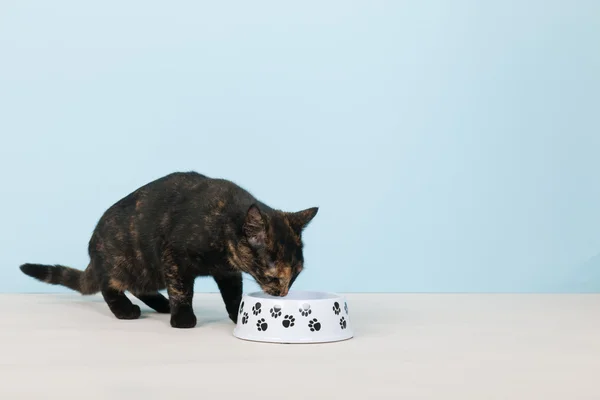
{"type": "Point", "coordinates": [81, 281]}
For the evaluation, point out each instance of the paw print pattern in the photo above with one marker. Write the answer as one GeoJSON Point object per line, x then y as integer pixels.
{"type": "Point", "coordinates": [346, 307]}
{"type": "Point", "coordinates": [314, 325]}
{"type": "Point", "coordinates": [245, 318]}
{"type": "Point", "coordinates": [336, 308]}
{"type": "Point", "coordinates": [288, 321]}
{"type": "Point", "coordinates": [242, 307]}
{"type": "Point", "coordinates": [256, 309]}
{"type": "Point", "coordinates": [261, 325]}
{"type": "Point", "coordinates": [343, 323]}
{"type": "Point", "coordinates": [305, 310]}
{"type": "Point", "coordinates": [276, 312]}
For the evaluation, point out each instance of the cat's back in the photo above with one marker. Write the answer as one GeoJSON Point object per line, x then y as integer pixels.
{"type": "Point", "coordinates": [174, 202]}
{"type": "Point", "coordinates": [180, 188]}
{"type": "Point", "coordinates": [162, 190]}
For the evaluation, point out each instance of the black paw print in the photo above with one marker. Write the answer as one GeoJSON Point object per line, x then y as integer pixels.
{"type": "Point", "coordinates": [336, 308]}
{"type": "Point", "coordinates": [245, 318]}
{"type": "Point", "coordinates": [276, 312]}
{"type": "Point", "coordinates": [241, 307]}
{"type": "Point", "coordinates": [314, 325]}
{"type": "Point", "coordinates": [261, 325]}
{"type": "Point", "coordinates": [288, 321]}
{"type": "Point", "coordinates": [343, 323]}
{"type": "Point", "coordinates": [305, 310]}
{"type": "Point", "coordinates": [346, 307]}
{"type": "Point", "coordinates": [256, 309]}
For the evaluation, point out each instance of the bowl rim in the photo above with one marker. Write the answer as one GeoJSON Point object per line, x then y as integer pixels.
{"type": "Point", "coordinates": [329, 296]}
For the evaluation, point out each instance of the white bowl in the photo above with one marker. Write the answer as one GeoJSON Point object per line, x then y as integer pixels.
{"type": "Point", "coordinates": [299, 317]}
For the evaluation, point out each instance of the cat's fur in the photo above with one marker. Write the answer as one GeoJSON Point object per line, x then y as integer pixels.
{"type": "Point", "coordinates": [179, 227]}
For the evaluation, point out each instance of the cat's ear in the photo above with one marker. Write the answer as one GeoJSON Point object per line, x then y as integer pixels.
{"type": "Point", "coordinates": [299, 220]}
{"type": "Point", "coordinates": [255, 227]}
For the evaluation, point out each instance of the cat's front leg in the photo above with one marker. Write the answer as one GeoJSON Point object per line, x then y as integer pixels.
{"type": "Point", "coordinates": [181, 293]}
{"type": "Point", "coordinates": [231, 287]}
{"type": "Point", "coordinates": [180, 288]}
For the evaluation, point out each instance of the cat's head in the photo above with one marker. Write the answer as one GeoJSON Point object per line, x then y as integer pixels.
{"type": "Point", "coordinates": [275, 241]}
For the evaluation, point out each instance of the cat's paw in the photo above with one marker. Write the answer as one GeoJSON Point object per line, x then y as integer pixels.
{"type": "Point", "coordinates": [184, 318]}
{"type": "Point", "coordinates": [132, 312]}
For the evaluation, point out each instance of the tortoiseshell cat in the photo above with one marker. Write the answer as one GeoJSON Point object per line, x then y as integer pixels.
{"type": "Point", "coordinates": [179, 227]}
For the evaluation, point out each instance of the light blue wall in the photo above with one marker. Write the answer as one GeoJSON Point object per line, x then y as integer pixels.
{"type": "Point", "coordinates": [451, 145]}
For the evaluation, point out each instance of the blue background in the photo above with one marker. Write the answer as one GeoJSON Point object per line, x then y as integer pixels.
{"type": "Point", "coordinates": [451, 145]}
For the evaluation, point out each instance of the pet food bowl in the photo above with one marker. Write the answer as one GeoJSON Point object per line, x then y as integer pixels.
{"type": "Point", "coordinates": [299, 317]}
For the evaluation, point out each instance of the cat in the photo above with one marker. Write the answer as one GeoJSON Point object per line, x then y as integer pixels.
{"type": "Point", "coordinates": [179, 227]}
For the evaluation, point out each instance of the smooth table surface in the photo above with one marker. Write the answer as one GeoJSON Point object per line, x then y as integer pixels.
{"type": "Point", "coordinates": [405, 347]}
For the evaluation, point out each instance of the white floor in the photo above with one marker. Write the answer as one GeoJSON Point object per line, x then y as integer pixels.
{"type": "Point", "coordinates": [406, 347]}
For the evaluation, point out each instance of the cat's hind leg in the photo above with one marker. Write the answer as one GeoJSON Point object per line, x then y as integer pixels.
{"type": "Point", "coordinates": [113, 291]}
{"type": "Point", "coordinates": [119, 304]}
{"type": "Point", "coordinates": [155, 301]}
